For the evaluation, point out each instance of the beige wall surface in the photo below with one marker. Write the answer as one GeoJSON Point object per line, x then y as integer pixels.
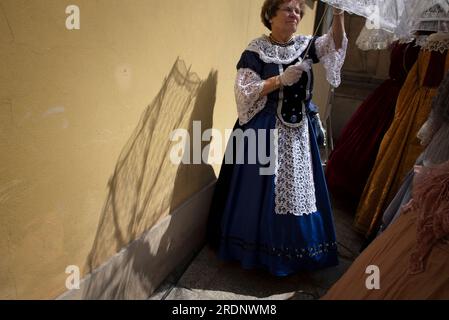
{"type": "Point", "coordinates": [85, 117]}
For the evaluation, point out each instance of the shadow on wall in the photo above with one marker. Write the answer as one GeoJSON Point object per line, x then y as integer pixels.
{"type": "Point", "coordinates": [145, 187]}
{"type": "Point", "coordinates": [192, 177]}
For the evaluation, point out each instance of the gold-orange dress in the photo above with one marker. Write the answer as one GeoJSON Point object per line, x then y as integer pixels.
{"type": "Point", "coordinates": [400, 147]}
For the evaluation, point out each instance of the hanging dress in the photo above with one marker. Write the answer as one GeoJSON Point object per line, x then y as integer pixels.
{"type": "Point", "coordinates": [353, 157]}
{"type": "Point", "coordinates": [276, 216]}
{"type": "Point", "coordinates": [400, 147]}
{"type": "Point", "coordinates": [434, 135]}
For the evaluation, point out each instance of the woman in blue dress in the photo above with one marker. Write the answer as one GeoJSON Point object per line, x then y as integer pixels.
{"type": "Point", "coordinates": [276, 215]}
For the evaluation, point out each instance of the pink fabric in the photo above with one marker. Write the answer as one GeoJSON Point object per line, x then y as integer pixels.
{"type": "Point", "coordinates": [431, 201]}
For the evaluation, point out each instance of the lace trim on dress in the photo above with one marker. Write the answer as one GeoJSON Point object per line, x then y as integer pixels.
{"type": "Point", "coordinates": [248, 87]}
{"type": "Point", "coordinates": [271, 53]}
{"type": "Point", "coordinates": [436, 45]}
{"type": "Point", "coordinates": [331, 58]}
{"type": "Point", "coordinates": [294, 184]}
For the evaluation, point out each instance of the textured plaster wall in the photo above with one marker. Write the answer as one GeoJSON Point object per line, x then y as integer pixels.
{"type": "Point", "coordinates": [84, 122]}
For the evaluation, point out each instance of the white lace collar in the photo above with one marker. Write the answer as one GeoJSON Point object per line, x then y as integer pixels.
{"type": "Point", "coordinates": [436, 45]}
{"type": "Point", "coordinates": [271, 53]}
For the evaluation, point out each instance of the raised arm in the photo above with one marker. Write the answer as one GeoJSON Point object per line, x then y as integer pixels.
{"type": "Point", "coordinates": [331, 48]}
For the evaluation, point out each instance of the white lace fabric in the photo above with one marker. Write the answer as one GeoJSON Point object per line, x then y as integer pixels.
{"type": "Point", "coordinates": [431, 15]}
{"type": "Point", "coordinates": [400, 17]}
{"type": "Point", "coordinates": [294, 184]}
{"type": "Point", "coordinates": [436, 45]}
{"type": "Point", "coordinates": [271, 53]}
{"type": "Point", "coordinates": [436, 42]}
{"type": "Point", "coordinates": [374, 39]}
{"type": "Point", "coordinates": [418, 15]}
{"type": "Point", "coordinates": [331, 58]}
{"type": "Point", "coordinates": [383, 13]}
{"type": "Point", "coordinates": [248, 87]}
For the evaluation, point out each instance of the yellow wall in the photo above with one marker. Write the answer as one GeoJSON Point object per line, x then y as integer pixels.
{"type": "Point", "coordinates": [83, 139]}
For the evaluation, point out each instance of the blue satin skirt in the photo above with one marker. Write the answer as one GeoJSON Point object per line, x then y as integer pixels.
{"type": "Point", "coordinates": [244, 227]}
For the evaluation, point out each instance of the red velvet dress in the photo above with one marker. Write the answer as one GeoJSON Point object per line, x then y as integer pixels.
{"type": "Point", "coordinates": [355, 152]}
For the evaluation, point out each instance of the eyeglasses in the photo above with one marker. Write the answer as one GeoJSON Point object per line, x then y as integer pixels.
{"type": "Point", "coordinates": [290, 10]}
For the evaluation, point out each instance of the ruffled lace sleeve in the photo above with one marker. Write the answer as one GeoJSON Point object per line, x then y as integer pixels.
{"type": "Point", "coordinates": [248, 86]}
{"type": "Point", "coordinates": [331, 58]}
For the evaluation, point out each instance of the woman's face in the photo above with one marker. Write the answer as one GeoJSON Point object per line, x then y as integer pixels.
{"type": "Point", "coordinates": [287, 17]}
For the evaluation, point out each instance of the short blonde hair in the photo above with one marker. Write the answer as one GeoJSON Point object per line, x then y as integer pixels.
{"type": "Point", "coordinates": [270, 7]}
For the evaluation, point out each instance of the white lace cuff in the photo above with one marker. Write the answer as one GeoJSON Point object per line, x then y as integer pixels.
{"type": "Point", "coordinates": [248, 86]}
{"type": "Point", "coordinates": [331, 58]}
